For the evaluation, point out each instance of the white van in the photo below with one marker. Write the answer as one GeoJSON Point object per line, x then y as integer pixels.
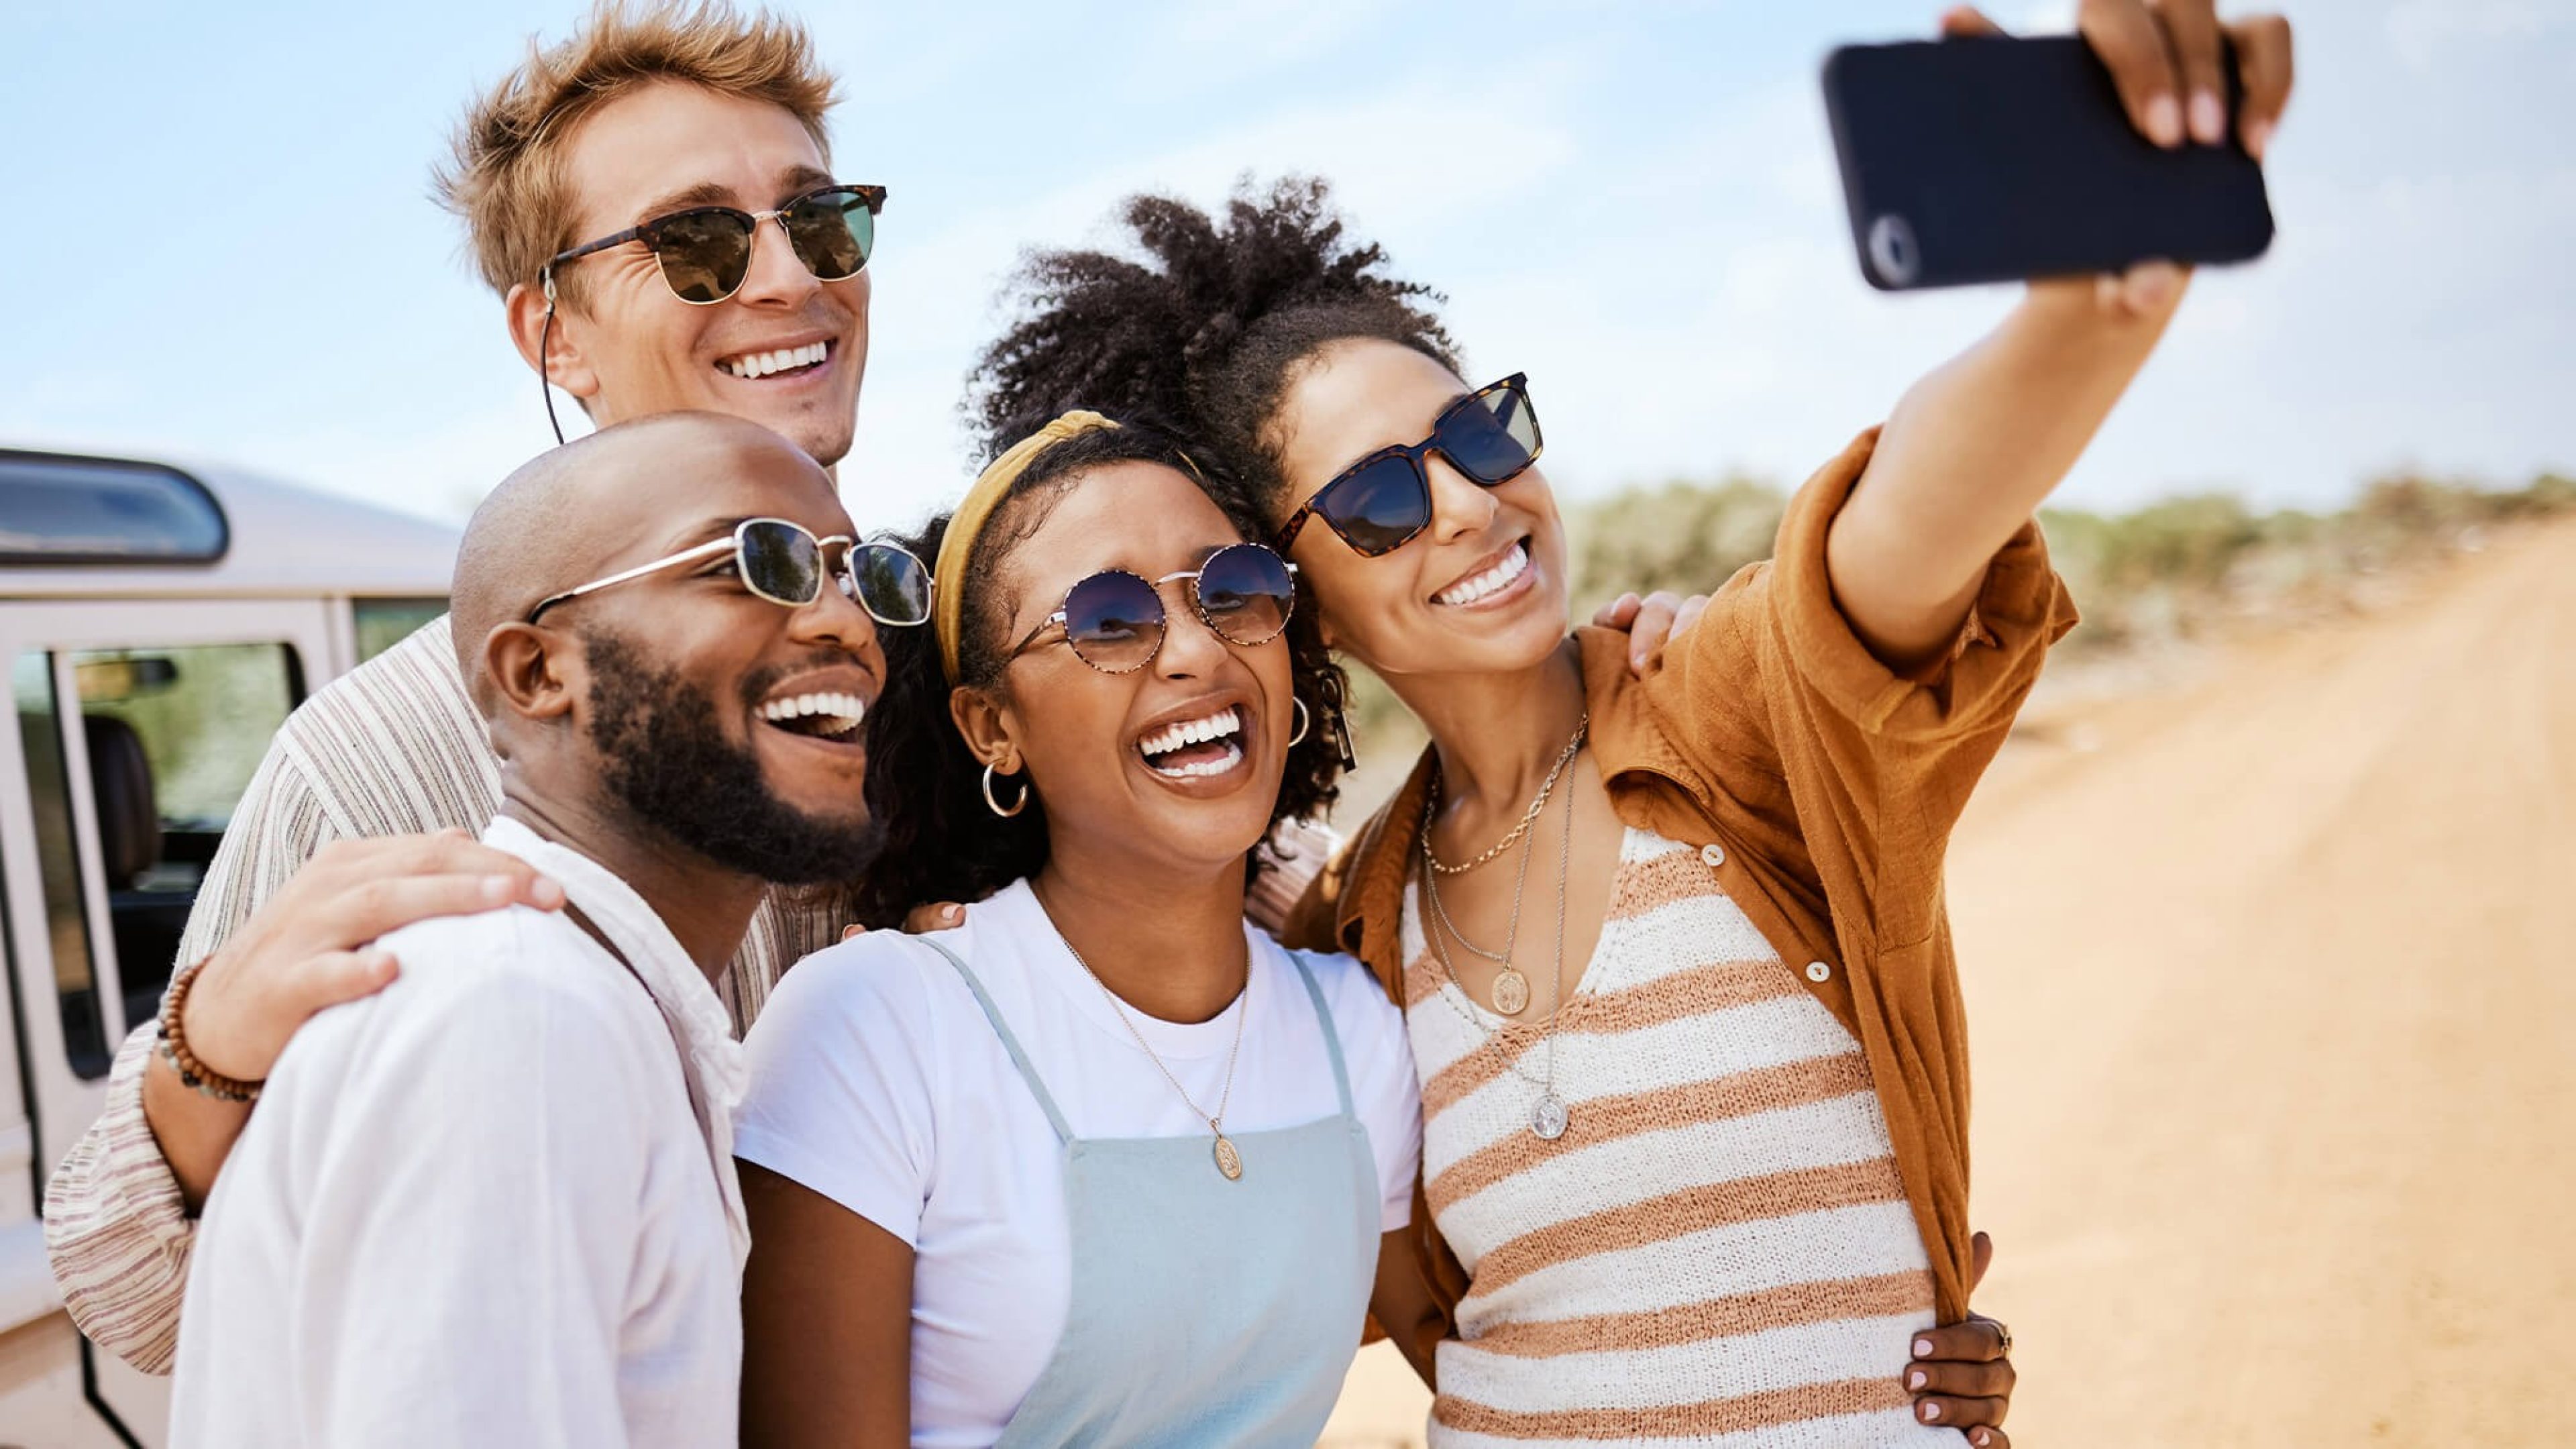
{"type": "Point", "coordinates": [156, 626]}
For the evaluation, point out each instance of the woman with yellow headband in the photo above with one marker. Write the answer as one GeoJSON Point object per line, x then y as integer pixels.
{"type": "Point", "coordinates": [1103, 1164]}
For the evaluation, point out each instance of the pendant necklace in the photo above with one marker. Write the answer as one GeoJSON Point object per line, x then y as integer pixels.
{"type": "Point", "coordinates": [1549, 1117]}
{"type": "Point", "coordinates": [1511, 991]}
{"type": "Point", "coordinates": [1228, 1160]}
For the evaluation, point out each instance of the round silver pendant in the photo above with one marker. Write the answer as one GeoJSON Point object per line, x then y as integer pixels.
{"type": "Point", "coordinates": [1548, 1118]}
{"type": "Point", "coordinates": [1230, 1162]}
{"type": "Point", "coordinates": [1511, 992]}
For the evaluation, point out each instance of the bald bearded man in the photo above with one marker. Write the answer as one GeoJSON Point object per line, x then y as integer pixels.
{"type": "Point", "coordinates": [496, 1202]}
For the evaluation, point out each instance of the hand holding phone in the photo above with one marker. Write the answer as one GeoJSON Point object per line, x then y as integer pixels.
{"type": "Point", "coordinates": [1979, 159]}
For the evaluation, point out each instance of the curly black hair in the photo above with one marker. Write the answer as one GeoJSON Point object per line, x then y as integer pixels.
{"type": "Point", "coordinates": [1207, 331]}
{"type": "Point", "coordinates": [925, 789]}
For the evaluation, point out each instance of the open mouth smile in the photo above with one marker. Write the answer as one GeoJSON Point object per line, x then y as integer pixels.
{"type": "Point", "coordinates": [1489, 580]}
{"type": "Point", "coordinates": [832, 716]}
{"type": "Point", "coordinates": [776, 362]}
{"type": "Point", "coordinates": [1195, 749]}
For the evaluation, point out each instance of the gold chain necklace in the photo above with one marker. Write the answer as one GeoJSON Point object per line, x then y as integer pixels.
{"type": "Point", "coordinates": [1431, 811]}
{"type": "Point", "coordinates": [1228, 1160]}
{"type": "Point", "coordinates": [1549, 1117]}
{"type": "Point", "coordinates": [1511, 987]}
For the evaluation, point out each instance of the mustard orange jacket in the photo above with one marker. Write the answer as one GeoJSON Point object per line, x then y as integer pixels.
{"type": "Point", "coordinates": [1830, 782]}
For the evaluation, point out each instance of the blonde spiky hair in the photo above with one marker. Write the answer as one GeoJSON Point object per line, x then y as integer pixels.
{"type": "Point", "coordinates": [505, 175]}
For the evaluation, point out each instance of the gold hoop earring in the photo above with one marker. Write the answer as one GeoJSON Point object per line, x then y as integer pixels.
{"type": "Point", "coordinates": [995, 805]}
{"type": "Point", "coordinates": [1303, 720]}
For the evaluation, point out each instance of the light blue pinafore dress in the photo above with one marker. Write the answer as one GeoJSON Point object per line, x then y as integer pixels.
{"type": "Point", "coordinates": [1205, 1312]}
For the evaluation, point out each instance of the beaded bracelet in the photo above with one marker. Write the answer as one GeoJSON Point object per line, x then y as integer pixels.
{"type": "Point", "coordinates": [196, 1075]}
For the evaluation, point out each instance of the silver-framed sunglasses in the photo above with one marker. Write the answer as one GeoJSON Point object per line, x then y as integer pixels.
{"type": "Point", "coordinates": [1114, 620]}
{"type": "Point", "coordinates": [786, 564]}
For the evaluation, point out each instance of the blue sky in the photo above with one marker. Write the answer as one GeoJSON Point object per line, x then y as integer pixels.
{"type": "Point", "coordinates": [224, 246]}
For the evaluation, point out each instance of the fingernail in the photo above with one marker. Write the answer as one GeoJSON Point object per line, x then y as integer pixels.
{"type": "Point", "coordinates": [1922, 1348]}
{"type": "Point", "coordinates": [498, 888]}
{"type": "Point", "coordinates": [953, 914]}
{"type": "Point", "coordinates": [547, 891]}
{"type": "Point", "coordinates": [2208, 118]}
{"type": "Point", "coordinates": [1931, 1412]}
{"type": "Point", "coordinates": [2258, 134]}
{"type": "Point", "coordinates": [1981, 1437]}
{"type": "Point", "coordinates": [1917, 1379]}
{"type": "Point", "coordinates": [2164, 122]}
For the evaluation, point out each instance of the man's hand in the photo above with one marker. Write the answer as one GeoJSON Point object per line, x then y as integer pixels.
{"type": "Point", "coordinates": [2167, 60]}
{"type": "Point", "coordinates": [312, 944]}
{"type": "Point", "coordinates": [1652, 622]}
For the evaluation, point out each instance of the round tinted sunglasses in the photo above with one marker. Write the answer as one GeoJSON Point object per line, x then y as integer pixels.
{"type": "Point", "coordinates": [1380, 503]}
{"type": "Point", "coordinates": [786, 564]}
{"type": "Point", "coordinates": [1115, 623]}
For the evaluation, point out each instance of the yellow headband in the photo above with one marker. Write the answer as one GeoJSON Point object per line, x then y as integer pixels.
{"type": "Point", "coordinates": [948, 594]}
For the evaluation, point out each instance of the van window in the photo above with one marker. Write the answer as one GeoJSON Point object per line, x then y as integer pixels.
{"type": "Point", "coordinates": [174, 737]}
{"type": "Point", "coordinates": [60, 509]}
{"type": "Point", "coordinates": [31, 681]}
{"type": "Point", "coordinates": [384, 623]}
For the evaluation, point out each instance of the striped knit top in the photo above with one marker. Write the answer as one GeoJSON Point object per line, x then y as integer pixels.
{"type": "Point", "coordinates": [1718, 1251]}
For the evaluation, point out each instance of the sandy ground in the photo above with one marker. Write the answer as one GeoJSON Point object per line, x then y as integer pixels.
{"type": "Point", "coordinates": [2272, 976]}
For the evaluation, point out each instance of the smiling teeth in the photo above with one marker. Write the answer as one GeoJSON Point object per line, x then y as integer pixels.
{"type": "Point", "coordinates": [840, 713]}
{"type": "Point", "coordinates": [1190, 732]}
{"type": "Point", "coordinates": [1469, 590]}
{"type": "Point", "coordinates": [762, 364]}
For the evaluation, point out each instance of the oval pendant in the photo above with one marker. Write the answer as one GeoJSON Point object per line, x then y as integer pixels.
{"type": "Point", "coordinates": [1548, 1118]}
{"type": "Point", "coordinates": [1511, 992]}
{"type": "Point", "coordinates": [1228, 1161]}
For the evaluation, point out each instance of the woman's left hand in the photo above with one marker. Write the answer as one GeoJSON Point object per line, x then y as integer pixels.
{"type": "Point", "coordinates": [1962, 1376]}
{"type": "Point", "coordinates": [2167, 59]}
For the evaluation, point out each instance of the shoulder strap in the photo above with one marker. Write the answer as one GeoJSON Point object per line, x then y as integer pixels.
{"type": "Point", "coordinates": [1010, 1043]}
{"type": "Point", "coordinates": [1332, 1038]}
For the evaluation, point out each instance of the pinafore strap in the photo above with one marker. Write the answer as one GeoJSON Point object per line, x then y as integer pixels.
{"type": "Point", "coordinates": [1011, 1044]}
{"type": "Point", "coordinates": [1332, 1038]}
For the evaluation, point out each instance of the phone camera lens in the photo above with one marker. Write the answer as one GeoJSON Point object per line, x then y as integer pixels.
{"type": "Point", "coordinates": [1892, 253]}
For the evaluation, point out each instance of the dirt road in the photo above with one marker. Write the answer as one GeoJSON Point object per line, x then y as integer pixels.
{"type": "Point", "coordinates": [2272, 979]}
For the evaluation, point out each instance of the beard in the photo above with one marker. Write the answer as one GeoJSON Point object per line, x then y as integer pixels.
{"type": "Point", "coordinates": [664, 753]}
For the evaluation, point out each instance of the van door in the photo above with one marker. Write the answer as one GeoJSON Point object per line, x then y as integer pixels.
{"type": "Point", "coordinates": [134, 730]}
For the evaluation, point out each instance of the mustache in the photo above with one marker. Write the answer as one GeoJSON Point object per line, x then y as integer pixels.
{"type": "Point", "coordinates": [758, 683]}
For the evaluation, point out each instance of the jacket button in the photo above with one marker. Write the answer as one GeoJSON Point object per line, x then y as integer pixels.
{"type": "Point", "coordinates": [1712, 855]}
{"type": "Point", "coordinates": [1819, 972]}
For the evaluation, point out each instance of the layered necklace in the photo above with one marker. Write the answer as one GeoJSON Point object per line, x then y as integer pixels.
{"type": "Point", "coordinates": [1228, 1160]}
{"type": "Point", "coordinates": [1511, 987]}
{"type": "Point", "coordinates": [1549, 1116]}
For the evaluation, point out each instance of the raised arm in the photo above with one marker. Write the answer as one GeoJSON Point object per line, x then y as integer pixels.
{"type": "Point", "coordinates": [1973, 448]}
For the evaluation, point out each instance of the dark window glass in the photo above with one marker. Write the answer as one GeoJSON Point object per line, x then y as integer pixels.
{"type": "Point", "coordinates": [384, 623]}
{"type": "Point", "coordinates": [56, 509]}
{"type": "Point", "coordinates": [49, 792]}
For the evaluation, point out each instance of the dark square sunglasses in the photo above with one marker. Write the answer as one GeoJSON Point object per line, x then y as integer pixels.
{"type": "Point", "coordinates": [1115, 623]}
{"type": "Point", "coordinates": [786, 564]}
{"type": "Point", "coordinates": [1380, 503]}
{"type": "Point", "coordinates": [705, 251]}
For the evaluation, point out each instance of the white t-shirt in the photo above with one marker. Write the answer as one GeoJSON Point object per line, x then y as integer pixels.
{"type": "Point", "coordinates": [877, 1081]}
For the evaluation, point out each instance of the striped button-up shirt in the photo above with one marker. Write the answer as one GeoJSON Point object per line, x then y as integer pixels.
{"type": "Point", "coordinates": [394, 747]}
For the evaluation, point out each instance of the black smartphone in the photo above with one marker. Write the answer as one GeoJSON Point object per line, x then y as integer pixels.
{"type": "Point", "coordinates": [1988, 160]}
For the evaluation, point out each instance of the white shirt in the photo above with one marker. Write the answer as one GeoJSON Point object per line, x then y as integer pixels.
{"type": "Point", "coordinates": [877, 1081]}
{"type": "Point", "coordinates": [480, 1208]}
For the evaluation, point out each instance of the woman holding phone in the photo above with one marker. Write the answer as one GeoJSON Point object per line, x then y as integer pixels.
{"type": "Point", "coordinates": [1673, 955]}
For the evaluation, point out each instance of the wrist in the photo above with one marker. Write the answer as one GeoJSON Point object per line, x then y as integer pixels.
{"type": "Point", "coordinates": [175, 1052]}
